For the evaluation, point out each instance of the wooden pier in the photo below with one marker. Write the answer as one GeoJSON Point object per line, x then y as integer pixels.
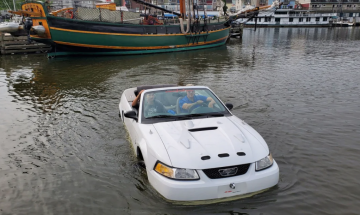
{"type": "Point", "coordinates": [17, 45]}
{"type": "Point", "coordinates": [236, 30]}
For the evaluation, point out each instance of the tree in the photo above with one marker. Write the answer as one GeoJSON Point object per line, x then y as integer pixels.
{"type": "Point", "coordinates": [118, 2]}
{"type": "Point", "coordinates": [5, 4]}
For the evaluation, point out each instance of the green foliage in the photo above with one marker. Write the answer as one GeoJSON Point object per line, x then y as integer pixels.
{"type": "Point", "coordinates": [118, 2]}
{"type": "Point", "coordinates": [3, 6]}
{"type": "Point", "coordinates": [17, 4]}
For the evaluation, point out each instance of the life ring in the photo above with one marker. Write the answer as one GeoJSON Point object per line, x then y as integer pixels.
{"type": "Point", "coordinates": [71, 13]}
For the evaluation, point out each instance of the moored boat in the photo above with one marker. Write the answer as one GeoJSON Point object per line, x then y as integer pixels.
{"type": "Point", "coordinates": [291, 18]}
{"type": "Point", "coordinates": [103, 31]}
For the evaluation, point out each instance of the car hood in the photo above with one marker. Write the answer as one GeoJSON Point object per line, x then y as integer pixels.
{"type": "Point", "coordinates": [187, 142]}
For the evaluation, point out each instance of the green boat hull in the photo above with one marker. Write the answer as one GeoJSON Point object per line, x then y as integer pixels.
{"type": "Point", "coordinates": [105, 35]}
{"type": "Point", "coordinates": [99, 53]}
{"type": "Point", "coordinates": [79, 37]}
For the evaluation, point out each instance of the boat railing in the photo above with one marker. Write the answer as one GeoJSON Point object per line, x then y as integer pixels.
{"type": "Point", "coordinates": [117, 16]}
{"type": "Point", "coordinates": [335, 9]}
{"type": "Point", "coordinates": [99, 14]}
{"type": "Point", "coordinates": [281, 15]}
{"type": "Point", "coordinates": [311, 14]}
{"type": "Point", "coordinates": [297, 15]}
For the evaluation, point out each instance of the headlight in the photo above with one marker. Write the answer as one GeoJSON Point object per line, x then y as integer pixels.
{"type": "Point", "coordinates": [264, 163]}
{"type": "Point", "coordinates": [176, 173]}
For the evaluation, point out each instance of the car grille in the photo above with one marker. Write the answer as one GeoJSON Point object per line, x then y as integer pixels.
{"type": "Point", "coordinates": [214, 173]}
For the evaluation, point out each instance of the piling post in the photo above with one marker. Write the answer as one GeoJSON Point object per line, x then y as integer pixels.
{"type": "Point", "coordinates": [2, 44]}
{"type": "Point", "coordinates": [241, 28]}
{"type": "Point", "coordinates": [255, 23]}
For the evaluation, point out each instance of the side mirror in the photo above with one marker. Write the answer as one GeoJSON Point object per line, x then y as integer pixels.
{"type": "Point", "coordinates": [229, 106]}
{"type": "Point", "coordinates": [131, 114]}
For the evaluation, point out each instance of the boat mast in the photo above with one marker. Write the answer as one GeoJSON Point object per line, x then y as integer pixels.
{"type": "Point", "coordinates": [182, 9]}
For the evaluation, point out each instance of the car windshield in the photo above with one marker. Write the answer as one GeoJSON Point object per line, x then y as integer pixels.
{"type": "Point", "coordinates": [178, 104]}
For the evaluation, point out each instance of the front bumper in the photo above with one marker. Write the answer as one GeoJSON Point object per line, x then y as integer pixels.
{"type": "Point", "coordinates": [206, 188]}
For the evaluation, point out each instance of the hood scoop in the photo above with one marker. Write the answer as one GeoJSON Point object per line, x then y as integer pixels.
{"type": "Point", "coordinates": [202, 129]}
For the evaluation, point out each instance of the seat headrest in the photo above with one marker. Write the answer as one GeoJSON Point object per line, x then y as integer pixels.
{"type": "Point", "coordinates": [146, 87]}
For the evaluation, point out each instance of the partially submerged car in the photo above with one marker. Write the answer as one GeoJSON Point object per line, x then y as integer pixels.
{"type": "Point", "coordinates": [192, 146]}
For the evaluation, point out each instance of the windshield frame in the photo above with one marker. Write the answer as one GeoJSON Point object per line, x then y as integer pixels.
{"type": "Point", "coordinates": [143, 120]}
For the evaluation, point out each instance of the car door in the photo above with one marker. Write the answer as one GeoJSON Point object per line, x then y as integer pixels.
{"type": "Point", "coordinates": [133, 127]}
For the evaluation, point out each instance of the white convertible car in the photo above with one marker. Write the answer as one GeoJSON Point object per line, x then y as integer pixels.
{"type": "Point", "coordinates": [192, 146]}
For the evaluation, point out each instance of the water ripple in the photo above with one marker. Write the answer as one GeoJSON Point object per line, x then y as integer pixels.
{"type": "Point", "coordinates": [65, 151]}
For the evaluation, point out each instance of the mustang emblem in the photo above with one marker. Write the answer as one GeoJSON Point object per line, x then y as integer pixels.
{"type": "Point", "coordinates": [228, 172]}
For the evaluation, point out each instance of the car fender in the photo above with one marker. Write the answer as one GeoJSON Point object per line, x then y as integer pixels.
{"type": "Point", "coordinates": [153, 145]}
{"type": "Point", "coordinates": [150, 157]}
{"type": "Point", "coordinates": [143, 148]}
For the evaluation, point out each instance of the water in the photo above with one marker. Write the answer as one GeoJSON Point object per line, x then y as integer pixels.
{"type": "Point", "coordinates": [63, 149]}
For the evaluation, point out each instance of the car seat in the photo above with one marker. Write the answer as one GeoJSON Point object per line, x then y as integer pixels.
{"type": "Point", "coordinates": [177, 105]}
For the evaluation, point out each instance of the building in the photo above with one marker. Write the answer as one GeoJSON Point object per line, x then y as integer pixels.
{"type": "Point", "coordinates": [240, 4]}
{"type": "Point", "coordinates": [345, 9]}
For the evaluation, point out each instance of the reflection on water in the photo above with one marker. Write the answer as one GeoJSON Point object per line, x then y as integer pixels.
{"type": "Point", "coordinates": [64, 149]}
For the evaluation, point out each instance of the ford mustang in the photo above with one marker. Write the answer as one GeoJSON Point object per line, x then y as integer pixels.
{"type": "Point", "coordinates": [192, 146]}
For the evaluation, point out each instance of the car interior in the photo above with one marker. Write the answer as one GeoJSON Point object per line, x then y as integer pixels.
{"type": "Point", "coordinates": [169, 100]}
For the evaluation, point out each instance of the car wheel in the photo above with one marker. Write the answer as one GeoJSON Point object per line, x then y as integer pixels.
{"type": "Point", "coordinates": [140, 158]}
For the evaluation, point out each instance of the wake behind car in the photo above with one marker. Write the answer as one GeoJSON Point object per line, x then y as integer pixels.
{"type": "Point", "coordinates": [192, 146]}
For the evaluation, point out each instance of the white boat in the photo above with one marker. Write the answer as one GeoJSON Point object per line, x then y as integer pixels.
{"type": "Point", "coordinates": [342, 23]}
{"type": "Point", "coordinates": [290, 18]}
{"type": "Point", "coordinates": [13, 26]}
{"type": "Point", "coordinates": [9, 27]}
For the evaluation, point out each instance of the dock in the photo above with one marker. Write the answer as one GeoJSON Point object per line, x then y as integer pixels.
{"type": "Point", "coordinates": [236, 30]}
{"type": "Point", "coordinates": [18, 45]}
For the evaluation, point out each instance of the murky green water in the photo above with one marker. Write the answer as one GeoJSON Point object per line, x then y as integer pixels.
{"type": "Point", "coordinates": [63, 149]}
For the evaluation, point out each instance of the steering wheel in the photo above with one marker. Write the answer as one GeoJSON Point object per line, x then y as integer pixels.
{"type": "Point", "coordinates": [204, 104]}
{"type": "Point", "coordinates": [202, 110]}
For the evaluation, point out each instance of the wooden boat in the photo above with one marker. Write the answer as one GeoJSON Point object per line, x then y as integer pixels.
{"type": "Point", "coordinates": [77, 32]}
